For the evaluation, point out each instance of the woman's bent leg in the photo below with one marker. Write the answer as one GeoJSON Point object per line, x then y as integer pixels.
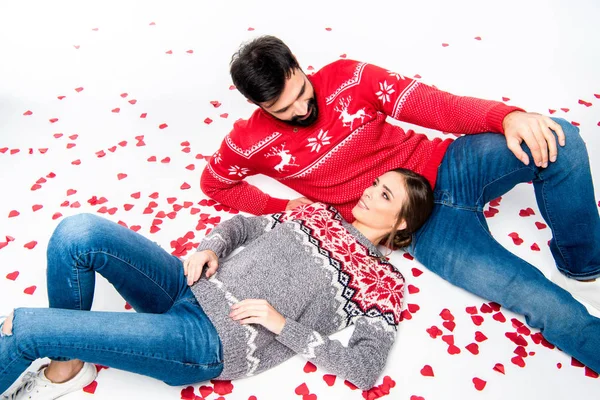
{"type": "Point", "coordinates": [178, 347]}
{"type": "Point", "coordinates": [148, 277]}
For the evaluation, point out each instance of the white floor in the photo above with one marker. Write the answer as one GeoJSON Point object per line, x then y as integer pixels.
{"type": "Point", "coordinates": [86, 86]}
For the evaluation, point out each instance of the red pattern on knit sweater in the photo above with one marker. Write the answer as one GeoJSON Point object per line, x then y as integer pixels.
{"type": "Point", "coordinates": [350, 144]}
{"type": "Point", "coordinates": [376, 283]}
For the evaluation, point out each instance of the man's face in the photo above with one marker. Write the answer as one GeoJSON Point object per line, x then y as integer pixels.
{"type": "Point", "coordinates": [297, 104]}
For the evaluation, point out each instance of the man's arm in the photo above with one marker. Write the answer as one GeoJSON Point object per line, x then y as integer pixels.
{"type": "Point", "coordinates": [410, 101]}
{"type": "Point", "coordinates": [223, 181]}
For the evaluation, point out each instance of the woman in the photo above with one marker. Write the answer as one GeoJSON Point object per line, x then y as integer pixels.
{"type": "Point", "coordinates": [303, 275]}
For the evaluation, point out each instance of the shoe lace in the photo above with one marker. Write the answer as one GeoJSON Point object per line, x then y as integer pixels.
{"type": "Point", "coordinates": [28, 383]}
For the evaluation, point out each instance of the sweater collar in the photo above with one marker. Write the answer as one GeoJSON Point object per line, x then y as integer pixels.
{"type": "Point", "coordinates": [362, 239]}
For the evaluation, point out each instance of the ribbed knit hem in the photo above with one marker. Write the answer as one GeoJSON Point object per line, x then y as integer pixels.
{"type": "Point", "coordinates": [275, 205]}
{"type": "Point", "coordinates": [497, 114]}
{"type": "Point", "coordinates": [215, 243]}
{"type": "Point", "coordinates": [294, 335]}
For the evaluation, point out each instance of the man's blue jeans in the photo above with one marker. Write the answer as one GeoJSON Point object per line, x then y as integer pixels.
{"type": "Point", "coordinates": [169, 338]}
{"type": "Point", "coordinates": [456, 244]}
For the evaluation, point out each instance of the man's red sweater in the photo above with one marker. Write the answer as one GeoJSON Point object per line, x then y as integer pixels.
{"type": "Point", "coordinates": [350, 144]}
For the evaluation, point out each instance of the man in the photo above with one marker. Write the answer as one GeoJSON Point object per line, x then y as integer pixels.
{"type": "Point", "coordinates": [326, 137]}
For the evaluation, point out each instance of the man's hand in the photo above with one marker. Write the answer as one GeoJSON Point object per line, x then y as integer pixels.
{"type": "Point", "coordinates": [192, 267]}
{"type": "Point", "coordinates": [258, 311]}
{"type": "Point", "coordinates": [297, 202]}
{"type": "Point", "coordinates": [534, 130]}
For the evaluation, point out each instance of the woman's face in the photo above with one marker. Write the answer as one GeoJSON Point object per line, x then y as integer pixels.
{"type": "Point", "coordinates": [381, 202]}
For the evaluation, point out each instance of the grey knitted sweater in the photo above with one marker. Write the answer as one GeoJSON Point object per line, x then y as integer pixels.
{"type": "Point", "coordinates": [321, 274]}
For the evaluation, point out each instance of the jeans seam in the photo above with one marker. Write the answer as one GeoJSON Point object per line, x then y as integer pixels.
{"type": "Point", "coordinates": [497, 179]}
{"type": "Point", "coordinates": [127, 263]}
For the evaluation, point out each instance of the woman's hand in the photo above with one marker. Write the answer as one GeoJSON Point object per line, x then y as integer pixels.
{"type": "Point", "coordinates": [193, 266]}
{"type": "Point", "coordinates": [258, 311]}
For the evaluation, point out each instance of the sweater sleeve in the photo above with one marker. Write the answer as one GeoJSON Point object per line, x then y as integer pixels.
{"type": "Point", "coordinates": [361, 362]}
{"type": "Point", "coordinates": [223, 181]}
{"type": "Point", "coordinates": [233, 233]}
{"type": "Point", "coordinates": [407, 100]}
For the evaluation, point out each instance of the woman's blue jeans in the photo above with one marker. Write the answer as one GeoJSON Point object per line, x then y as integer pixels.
{"type": "Point", "coordinates": [456, 244]}
{"type": "Point", "coordinates": [169, 337]}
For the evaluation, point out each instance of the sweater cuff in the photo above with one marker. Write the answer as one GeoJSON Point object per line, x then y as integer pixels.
{"type": "Point", "coordinates": [215, 243]}
{"type": "Point", "coordinates": [294, 336]}
{"type": "Point", "coordinates": [275, 205]}
{"type": "Point", "coordinates": [496, 116]}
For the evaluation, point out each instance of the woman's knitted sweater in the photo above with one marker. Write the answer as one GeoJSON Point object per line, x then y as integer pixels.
{"type": "Point", "coordinates": [321, 274]}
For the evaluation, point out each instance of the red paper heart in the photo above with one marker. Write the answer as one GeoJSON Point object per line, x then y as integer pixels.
{"type": "Point", "coordinates": [60, 97]}
{"type": "Point", "coordinates": [518, 360]}
{"type": "Point", "coordinates": [13, 275]}
{"type": "Point", "coordinates": [499, 368]}
{"type": "Point", "coordinates": [163, 126]}
{"type": "Point", "coordinates": [499, 317]}
{"type": "Point", "coordinates": [473, 348]}
{"type": "Point", "coordinates": [413, 308]}
{"type": "Point", "coordinates": [30, 290]}
{"type": "Point", "coordinates": [450, 325]}
{"type": "Point", "coordinates": [13, 213]}
{"type": "Point", "coordinates": [224, 115]}
{"type": "Point", "coordinates": [434, 331]}
{"type": "Point", "coordinates": [445, 45]}
{"type": "Point", "coordinates": [76, 162]}
{"type": "Point", "coordinates": [185, 186]}
{"type": "Point", "coordinates": [208, 121]}
{"type": "Point", "coordinates": [413, 397]}
{"type": "Point", "coordinates": [585, 103]}
{"type": "Point", "coordinates": [166, 160]}
{"type": "Point", "coordinates": [448, 339]}
{"type": "Point", "coordinates": [590, 373]}
{"type": "Point", "coordinates": [79, 89]}
{"type": "Point", "coordinates": [329, 379]}
{"type": "Point", "coordinates": [121, 176]}
{"type": "Point", "coordinates": [152, 159]}
{"type": "Point", "coordinates": [309, 367]}
{"type": "Point", "coordinates": [91, 388]}
{"type": "Point", "coordinates": [480, 337]}
{"type": "Point", "coordinates": [28, 112]}
{"type": "Point", "coordinates": [427, 371]}
{"type": "Point", "coordinates": [135, 195]}
{"type": "Point", "coordinates": [535, 247]}
{"type": "Point", "coordinates": [190, 51]}
{"type": "Point", "coordinates": [143, 115]}
{"type": "Point", "coordinates": [477, 319]}
{"type": "Point", "coordinates": [169, 52]}
{"type": "Point", "coordinates": [565, 109]}
{"type": "Point", "coordinates": [30, 245]}
{"type": "Point", "coordinates": [479, 383]}
{"type": "Point", "coordinates": [485, 308]}
{"type": "Point", "coordinates": [505, 98]}
{"type": "Point", "coordinates": [551, 111]}
{"type": "Point", "coordinates": [205, 391]}
{"type": "Point", "coordinates": [56, 216]}
{"type": "Point", "coordinates": [116, 110]}
{"type": "Point", "coordinates": [541, 225]}
{"type": "Point", "coordinates": [452, 350]}
{"type": "Point", "coordinates": [302, 390]}
{"type": "Point", "coordinates": [416, 272]}
{"type": "Point", "coordinates": [413, 289]}
{"type": "Point", "coordinates": [135, 228]}
{"type": "Point", "coordinates": [447, 315]}
{"type": "Point", "coordinates": [132, 101]}
{"type": "Point", "coordinates": [53, 120]}
{"type": "Point", "coordinates": [576, 363]}
{"type": "Point", "coordinates": [154, 229]}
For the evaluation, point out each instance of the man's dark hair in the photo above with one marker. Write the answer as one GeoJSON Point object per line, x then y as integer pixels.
{"type": "Point", "coordinates": [260, 68]}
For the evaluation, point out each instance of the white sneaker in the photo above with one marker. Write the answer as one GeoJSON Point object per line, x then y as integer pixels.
{"type": "Point", "coordinates": [36, 386]}
{"type": "Point", "coordinates": [587, 293]}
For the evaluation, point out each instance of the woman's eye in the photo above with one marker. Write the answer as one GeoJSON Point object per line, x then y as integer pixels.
{"type": "Point", "coordinates": [374, 183]}
{"type": "Point", "coordinates": [385, 196]}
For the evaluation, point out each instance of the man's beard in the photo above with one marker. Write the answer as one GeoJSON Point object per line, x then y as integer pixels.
{"type": "Point", "coordinates": [313, 114]}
